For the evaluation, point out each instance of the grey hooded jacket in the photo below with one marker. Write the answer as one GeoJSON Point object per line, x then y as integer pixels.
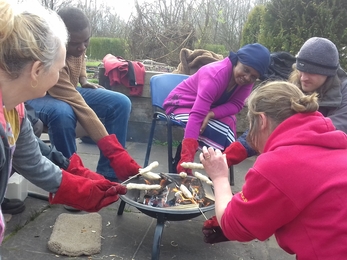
{"type": "Point", "coordinates": [28, 161]}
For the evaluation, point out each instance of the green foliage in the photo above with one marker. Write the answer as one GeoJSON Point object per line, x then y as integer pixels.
{"type": "Point", "coordinates": [99, 47]}
{"type": "Point", "coordinates": [287, 24]}
{"type": "Point", "coordinates": [96, 81]}
{"type": "Point", "coordinates": [217, 48]}
{"type": "Point", "coordinates": [252, 27]}
{"type": "Point", "coordinates": [93, 63]}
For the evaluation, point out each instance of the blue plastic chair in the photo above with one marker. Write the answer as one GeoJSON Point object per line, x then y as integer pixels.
{"type": "Point", "coordinates": [160, 87]}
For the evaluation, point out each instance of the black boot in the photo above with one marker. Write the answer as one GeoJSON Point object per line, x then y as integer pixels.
{"type": "Point", "coordinates": [177, 158]}
{"type": "Point", "coordinates": [13, 206]}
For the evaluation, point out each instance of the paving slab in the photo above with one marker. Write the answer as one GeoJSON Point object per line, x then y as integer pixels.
{"type": "Point", "coordinates": [130, 235]}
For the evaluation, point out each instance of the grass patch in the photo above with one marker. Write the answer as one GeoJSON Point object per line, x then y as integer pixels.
{"type": "Point", "coordinates": [96, 81]}
{"type": "Point", "coordinates": [175, 143]}
{"type": "Point", "coordinates": [93, 63]}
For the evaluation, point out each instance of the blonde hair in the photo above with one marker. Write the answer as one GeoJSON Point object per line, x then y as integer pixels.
{"type": "Point", "coordinates": [27, 36]}
{"type": "Point", "coordinates": [278, 100]}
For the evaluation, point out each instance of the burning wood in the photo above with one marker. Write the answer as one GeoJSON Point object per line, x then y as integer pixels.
{"type": "Point", "coordinates": [176, 192]}
{"type": "Point", "coordinates": [165, 190]}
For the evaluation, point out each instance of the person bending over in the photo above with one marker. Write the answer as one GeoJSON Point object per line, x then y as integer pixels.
{"type": "Point", "coordinates": [32, 49]}
{"type": "Point", "coordinates": [297, 187]}
{"type": "Point", "coordinates": [209, 99]}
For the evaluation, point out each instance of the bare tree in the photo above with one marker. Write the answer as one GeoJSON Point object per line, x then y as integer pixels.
{"type": "Point", "coordinates": [161, 29]}
{"type": "Point", "coordinates": [56, 5]}
{"type": "Point", "coordinates": [221, 22]}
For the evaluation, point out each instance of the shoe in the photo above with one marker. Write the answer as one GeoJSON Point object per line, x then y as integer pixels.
{"type": "Point", "coordinates": [12, 206]}
{"type": "Point", "coordinates": [71, 209]}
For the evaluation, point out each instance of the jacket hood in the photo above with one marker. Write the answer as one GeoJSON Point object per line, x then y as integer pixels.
{"type": "Point", "coordinates": [311, 129]}
{"type": "Point", "coordinates": [333, 97]}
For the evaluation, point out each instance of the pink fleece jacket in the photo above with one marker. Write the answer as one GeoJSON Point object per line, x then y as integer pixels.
{"type": "Point", "coordinates": [297, 190]}
{"type": "Point", "coordinates": [202, 90]}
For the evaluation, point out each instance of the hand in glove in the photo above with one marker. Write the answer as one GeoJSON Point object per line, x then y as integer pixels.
{"type": "Point", "coordinates": [86, 194]}
{"type": "Point", "coordinates": [76, 167]}
{"type": "Point", "coordinates": [189, 147]}
{"type": "Point", "coordinates": [235, 153]}
{"type": "Point", "coordinates": [120, 160]}
{"type": "Point", "coordinates": [213, 232]}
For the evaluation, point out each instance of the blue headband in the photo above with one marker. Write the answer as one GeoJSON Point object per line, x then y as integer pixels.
{"type": "Point", "coordinates": [255, 56]}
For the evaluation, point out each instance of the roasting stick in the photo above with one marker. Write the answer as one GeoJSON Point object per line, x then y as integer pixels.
{"type": "Point", "coordinates": [203, 214]}
{"type": "Point", "coordinates": [130, 178]}
{"type": "Point", "coordinates": [214, 231]}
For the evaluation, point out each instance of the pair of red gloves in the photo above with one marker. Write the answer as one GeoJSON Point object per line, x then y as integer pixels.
{"type": "Point", "coordinates": [235, 153]}
{"type": "Point", "coordinates": [86, 190]}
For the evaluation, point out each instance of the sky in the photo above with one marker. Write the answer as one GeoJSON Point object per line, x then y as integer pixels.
{"type": "Point", "coordinates": [123, 7]}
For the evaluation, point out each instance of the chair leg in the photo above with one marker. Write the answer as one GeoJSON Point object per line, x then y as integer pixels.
{"type": "Point", "coordinates": [150, 141]}
{"type": "Point", "coordinates": [169, 147]}
{"type": "Point", "coordinates": [232, 181]}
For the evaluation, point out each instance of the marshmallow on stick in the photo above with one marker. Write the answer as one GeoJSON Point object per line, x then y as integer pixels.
{"type": "Point", "coordinates": [186, 193]}
{"type": "Point", "coordinates": [146, 172]}
{"type": "Point", "coordinates": [202, 177]}
{"type": "Point", "coordinates": [183, 175]}
{"type": "Point", "coordinates": [151, 175]}
{"type": "Point", "coordinates": [139, 186]}
{"type": "Point", "coordinates": [192, 165]}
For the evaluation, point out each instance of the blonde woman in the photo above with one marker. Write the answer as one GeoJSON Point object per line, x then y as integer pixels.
{"type": "Point", "coordinates": [297, 187]}
{"type": "Point", "coordinates": [32, 52]}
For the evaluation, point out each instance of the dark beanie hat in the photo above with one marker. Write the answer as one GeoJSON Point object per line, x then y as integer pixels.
{"type": "Point", "coordinates": [318, 56]}
{"type": "Point", "coordinates": [256, 56]}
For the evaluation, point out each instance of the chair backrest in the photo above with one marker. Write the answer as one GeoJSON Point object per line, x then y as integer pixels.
{"type": "Point", "coordinates": [162, 84]}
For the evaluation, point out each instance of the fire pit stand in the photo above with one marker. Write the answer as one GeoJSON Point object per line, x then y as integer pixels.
{"type": "Point", "coordinates": [162, 214]}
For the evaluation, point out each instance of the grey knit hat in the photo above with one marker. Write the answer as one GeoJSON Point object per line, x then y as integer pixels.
{"type": "Point", "coordinates": [318, 56]}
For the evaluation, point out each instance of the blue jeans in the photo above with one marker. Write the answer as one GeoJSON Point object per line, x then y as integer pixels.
{"type": "Point", "coordinates": [112, 108]}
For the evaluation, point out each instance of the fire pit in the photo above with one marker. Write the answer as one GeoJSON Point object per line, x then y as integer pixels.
{"type": "Point", "coordinates": [168, 203]}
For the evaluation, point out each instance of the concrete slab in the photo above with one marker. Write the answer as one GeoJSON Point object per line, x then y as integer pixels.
{"type": "Point", "coordinates": [130, 236]}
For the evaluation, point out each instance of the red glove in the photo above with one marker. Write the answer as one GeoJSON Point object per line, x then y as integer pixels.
{"type": "Point", "coordinates": [235, 153]}
{"type": "Point", "coordinates": [213, 232]}
{"type": "Point", "coordinates": [120, 160]}
{"type": "Point", "coordinates": [86, 194]}
{"type": "Point", "coordinates": [76, 167]}
{"type": "Point", "coordinates": [189, 148]}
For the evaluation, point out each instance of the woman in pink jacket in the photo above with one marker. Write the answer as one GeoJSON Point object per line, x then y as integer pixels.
{"type": "Point", "coordinates": [297, 188]}
{"type": "Point", "coordinates": [209, 99]}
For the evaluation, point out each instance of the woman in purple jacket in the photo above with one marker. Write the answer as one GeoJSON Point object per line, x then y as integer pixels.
{"type": "Point", "coordinates": [209, 99]}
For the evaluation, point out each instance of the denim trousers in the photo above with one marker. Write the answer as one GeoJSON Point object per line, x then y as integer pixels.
{"type": "Point", "coordinates": [112, 108]}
